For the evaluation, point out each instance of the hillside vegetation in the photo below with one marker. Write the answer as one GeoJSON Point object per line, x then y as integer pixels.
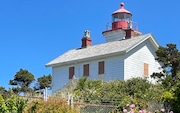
{"type": "Point", "coordinates": [120, 93]}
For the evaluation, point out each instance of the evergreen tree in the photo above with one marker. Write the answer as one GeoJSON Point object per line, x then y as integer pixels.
{"type": "Point", "coordinates": [169, 57]}
{"type": "Point", "coordinates": [22, 80]}
{"type": "Point", "coordinates": [43, 82]}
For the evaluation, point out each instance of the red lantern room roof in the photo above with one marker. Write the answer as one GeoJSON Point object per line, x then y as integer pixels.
{"type": "Point", "coordinates": [121, 10]}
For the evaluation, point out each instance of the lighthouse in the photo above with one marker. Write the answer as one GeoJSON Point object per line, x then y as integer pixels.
{"type": "Point", "coordinates": [122, 26]}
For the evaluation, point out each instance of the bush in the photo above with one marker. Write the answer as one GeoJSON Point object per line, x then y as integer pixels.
{"type": "Point", "coordinates": [3, 107]}
{"type": "Point", "coordinates": [52, 106]}
{"type": "Point", "coordinates": [137, 87]}
{"type": "Point", "coordinates": [136, 90]}
{"type": "Point", "coordinates": [13, 104]}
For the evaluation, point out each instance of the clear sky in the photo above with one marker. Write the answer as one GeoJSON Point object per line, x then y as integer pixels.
{"type": "Point", "coordinates": [33, 32]}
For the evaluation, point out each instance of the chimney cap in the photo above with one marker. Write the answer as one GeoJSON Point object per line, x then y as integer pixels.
{"type": "Point", "coordinates": [86, 40]}
{"type": "Point", "coordinates": [87, 33]}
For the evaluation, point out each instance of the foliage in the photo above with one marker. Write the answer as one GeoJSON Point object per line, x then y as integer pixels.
{"type": "Point", "coordinates": [16, 90]}
{"type": "Point", "coordinates": [16, 104]}
{"type": "Point", "coordinates": [137, 87]}
{"type": "Point", "coordinates": [111, 92]}
{"type": "Point", "coordinates": [81, 83]}
{"type": "Point", "coordinates": [176, 103]}
{"type": "Point", "coordinates": [5, 93]}
{"type": "Point", "coordinates": [52, 106]}
{"type": "Point", "coordinates": [142, 93]}
{"type": "Point", "coordinates": [170, 58]}
{"type": "Point", "coordinates": [22, 79]}
{"type": "Point", "coordinates": [126, 101]}
{"type": "Point", "coordinates": [137, 90]}
{"type": "Point", "coordinates": [170, 78]}
{"type": "Point", "coordinates": [3, 107]}
{"type": "Point", "coordinates": [87, 89]}
{"type": "Point", "coordinates": [171, 98]}
{"type": "Point", "coordinates": [168, 82]}
{"type": "Point", "coordinates": [13, 104]}
{"type": "Point", "coordinates": [44, 82]}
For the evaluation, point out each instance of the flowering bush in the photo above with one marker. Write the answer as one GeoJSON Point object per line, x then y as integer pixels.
{"type": "Point", "coordinates": [134, 109]}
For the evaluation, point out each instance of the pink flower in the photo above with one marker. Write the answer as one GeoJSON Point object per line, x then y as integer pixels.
{"type": "Point", "coordinates": [132, 106]}
{"type": "Point", "coordinates": [163, 110]}
{"type": "Point", "coordinates": [124, 110]}
{"type": "Point", "coordinates": [171, 112]}
{"type": "Point", "coordinates": [144, 111]}
{"type": "Point", "coordinates": [131, 110]}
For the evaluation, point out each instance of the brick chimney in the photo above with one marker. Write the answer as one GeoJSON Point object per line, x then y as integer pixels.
{"type": "Point", "coordinates": [86, 40]}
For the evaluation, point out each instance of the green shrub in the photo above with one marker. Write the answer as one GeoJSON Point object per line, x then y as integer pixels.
{"type": "Point", "coordinates": [52, 106]}
{"type": "Point", "coordinates": [3, 107]}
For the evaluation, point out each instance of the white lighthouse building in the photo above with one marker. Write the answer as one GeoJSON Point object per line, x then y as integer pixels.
{"type": "Point", "coordinates": [127, 53]}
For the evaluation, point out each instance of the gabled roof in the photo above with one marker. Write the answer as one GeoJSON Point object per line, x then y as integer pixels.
{"type": "Point", "coordinates": [101, 50]}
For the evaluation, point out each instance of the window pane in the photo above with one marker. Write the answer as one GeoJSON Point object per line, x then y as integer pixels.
{"type": "Point", "coordinates": [71, 72]}
{"type": "Point", "coordinates": [146, 69]}
{"type": "Point", "coordinates": [101, 67]}
{"type": "Point", "coordinates": [86, 70]}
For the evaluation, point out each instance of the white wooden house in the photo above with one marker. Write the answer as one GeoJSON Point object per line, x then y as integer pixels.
{"type": "Point", "coordinates": [126, 54]}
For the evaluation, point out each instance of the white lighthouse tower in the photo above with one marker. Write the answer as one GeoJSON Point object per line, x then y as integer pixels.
{"type": "Point", "coordinates": [122, 26]}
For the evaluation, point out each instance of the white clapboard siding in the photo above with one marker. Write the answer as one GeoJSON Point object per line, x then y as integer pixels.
{"type": "Point", "coordinates": [135, 59]}
{"type": "Point", "coordinates": [114, 68]}
{"type": "Point", "coordinates": [93, 71]}
{"type": "Point", "coordinates": [59, 78]}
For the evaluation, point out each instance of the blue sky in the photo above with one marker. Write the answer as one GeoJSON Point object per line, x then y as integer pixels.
{"type": "Point", "coordinates": [33, 32]}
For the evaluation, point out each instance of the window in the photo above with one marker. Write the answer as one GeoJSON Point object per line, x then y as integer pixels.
{"type": "Point", "coordinates": [101, 67]}
{"type": "Point", "coordinates": [71, 72]}
{"type": "Point", "coordinates": [86, 70]}
{"type": "Point", "coordinates": [146, 69]}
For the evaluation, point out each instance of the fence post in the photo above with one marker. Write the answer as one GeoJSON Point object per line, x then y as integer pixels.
{"type": "Point", "coordinates": [72, 102]}
{"type": "Point", "coordinates": [68, 99]}
{"type": "Point", "coordinates": [45, 94]}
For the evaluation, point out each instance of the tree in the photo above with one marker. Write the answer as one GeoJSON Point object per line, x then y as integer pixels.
{"type": "Point", "coordinates": [44, 82]}
{"type": "Point", "coordinates": [5, 93]}
{"type": "Point", "coordinates": [170, 58]}
{"type": "Point", "coordinates": [22, 80]}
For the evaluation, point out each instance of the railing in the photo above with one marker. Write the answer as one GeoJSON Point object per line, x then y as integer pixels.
{"type": "Point", "coordinates": [94, 108]}
{"type": "Point", "coordinates": [132, 24]}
